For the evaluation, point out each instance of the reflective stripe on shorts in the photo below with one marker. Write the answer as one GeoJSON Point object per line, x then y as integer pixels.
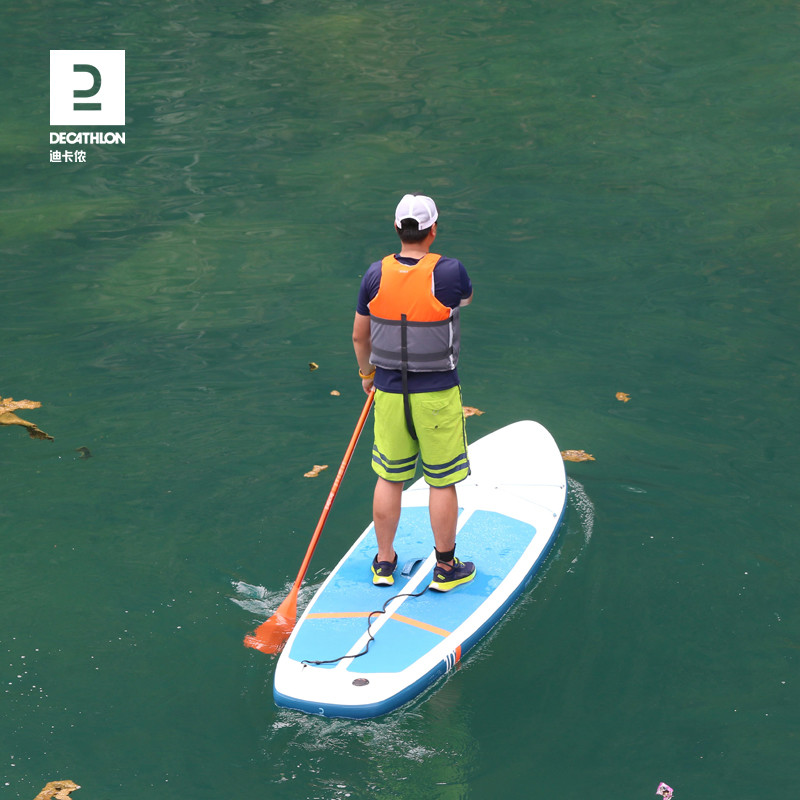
{"type": "Point", "coordinates": [439, 472]}
{"type": "Point", "coordinates": [401, 469]}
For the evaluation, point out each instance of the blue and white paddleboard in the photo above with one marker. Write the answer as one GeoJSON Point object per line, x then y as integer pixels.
{"type": "Point", "coordinates": [510, 509]}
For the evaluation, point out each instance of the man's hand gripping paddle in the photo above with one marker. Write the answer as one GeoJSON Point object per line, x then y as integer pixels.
{"type": "Point", "coordinates": [271, 636]}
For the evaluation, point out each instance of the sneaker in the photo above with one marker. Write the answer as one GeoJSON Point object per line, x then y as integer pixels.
{"type": "Point", "coordinates": [446, 579]}
{"type": "Point", "coordinates": [382, 571]}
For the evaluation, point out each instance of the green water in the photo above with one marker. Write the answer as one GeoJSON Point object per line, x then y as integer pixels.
{"type": "Point", "coordinates": [620, 179]}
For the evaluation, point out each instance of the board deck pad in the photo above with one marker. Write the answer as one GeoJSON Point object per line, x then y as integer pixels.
{"type": "Point", "coordinates": [510, 510]}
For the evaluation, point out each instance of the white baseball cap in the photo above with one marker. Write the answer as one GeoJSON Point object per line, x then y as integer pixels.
{"type": "Point", "coordinates": [417, 207]}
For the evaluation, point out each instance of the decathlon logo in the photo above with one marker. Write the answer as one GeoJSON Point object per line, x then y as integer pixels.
{"type": "Point", "coordinates": [87, 87]}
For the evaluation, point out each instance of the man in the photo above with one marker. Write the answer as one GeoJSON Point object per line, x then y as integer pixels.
{"type": "Point", "coordinates": [406, 340]}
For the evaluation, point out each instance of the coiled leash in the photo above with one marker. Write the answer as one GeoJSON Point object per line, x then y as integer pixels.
{"type": "Point", "coordinates": [371, 639]}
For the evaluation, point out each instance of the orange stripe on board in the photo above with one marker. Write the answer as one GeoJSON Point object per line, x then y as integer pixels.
{"type": "Point", "coordinates": [399, 617]}
{"type": "Point", "coordinates": [424, 625]}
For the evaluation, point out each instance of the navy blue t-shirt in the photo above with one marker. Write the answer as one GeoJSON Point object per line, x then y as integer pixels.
{"type": "Point", "coordinates": [451, 285]}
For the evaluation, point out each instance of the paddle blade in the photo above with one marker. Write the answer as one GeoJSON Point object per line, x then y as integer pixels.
{"type": "Point", "coordinates": [271, 636]}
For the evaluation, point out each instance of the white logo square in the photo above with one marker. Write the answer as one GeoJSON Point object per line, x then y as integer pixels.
{"type": "Point", "coordinates": [87, 87]}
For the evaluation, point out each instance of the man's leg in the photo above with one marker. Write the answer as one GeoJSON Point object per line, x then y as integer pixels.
{"type": "Point", "coordinates": [394, 459]}
{"type": "Point", "coordinates": [443, 505]}
{"type": "Point", "coordinates": [386, 515]}
{"type": "Point", "coordinates": [449, 571]}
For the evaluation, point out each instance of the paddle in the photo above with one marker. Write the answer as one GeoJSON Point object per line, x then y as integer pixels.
{"type": "Point", "coordinates": [271, 636]}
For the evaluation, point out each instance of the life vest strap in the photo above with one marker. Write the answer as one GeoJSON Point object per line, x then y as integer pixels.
{"type": "Point", "coordinates": [412, 431]}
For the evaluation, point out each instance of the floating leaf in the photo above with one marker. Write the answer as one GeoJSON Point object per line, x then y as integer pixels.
{"type": "Point", "coordinates": [10, 404]}
{"type": "Point", "coordinates": [469, 411]}
{"type": "Point", "coordinates": [7, 416]}
{"type": "Point", "coordinates": [312, 365]}
{"type": "Point", "coordinates": [84, 451]}
{"type": "Point", "coordinates": [316, 471]}
{"type": "Point", "coordinates": [576, 455]}
{"type": "Point", "coordinates": [58, 790]}
{"type": "Point", "coordinates": [336, 393]}
{"type": "Point", "coordinates": [622, 397]}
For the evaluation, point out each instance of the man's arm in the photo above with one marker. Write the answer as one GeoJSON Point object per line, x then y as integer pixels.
{"type": "Point", "coordinates": [466, 286]}
{"type": "Point", "coordinates": [362, 345]}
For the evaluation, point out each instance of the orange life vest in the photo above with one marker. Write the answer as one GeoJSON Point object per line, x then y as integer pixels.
{"type": "Point", "coordinates": [409, 328]}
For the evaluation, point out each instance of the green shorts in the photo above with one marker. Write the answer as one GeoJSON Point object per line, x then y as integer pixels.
{"type": "Point", "coordinates": [442, 437]}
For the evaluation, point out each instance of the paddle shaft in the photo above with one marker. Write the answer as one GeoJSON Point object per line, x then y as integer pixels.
{"type": "Point", "coordinates": [271, 635]}
{"type": "Point", "coordinates": [334, 489]}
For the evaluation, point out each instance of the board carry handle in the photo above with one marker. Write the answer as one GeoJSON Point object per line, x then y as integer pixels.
{"type": "Point", "coordinates": [410, 566]}
{"type": "Point", "coordinates": [271, 636]}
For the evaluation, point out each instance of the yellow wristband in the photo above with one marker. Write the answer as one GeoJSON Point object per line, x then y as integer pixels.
{"type": "Point", "coordinates": [362, 375]}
